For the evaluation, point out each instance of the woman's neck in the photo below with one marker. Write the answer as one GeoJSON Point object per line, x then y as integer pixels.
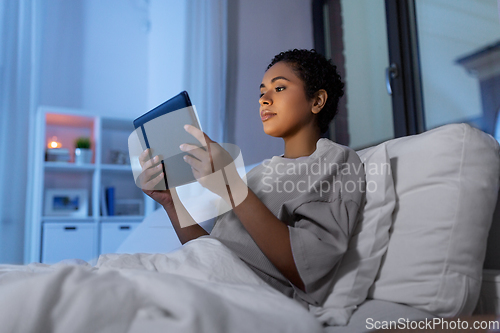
{"type": "Point", "coordinates": [301, 144]}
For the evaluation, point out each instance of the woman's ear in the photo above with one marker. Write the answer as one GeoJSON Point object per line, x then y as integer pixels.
{"type": "Point", "coordinates": [319, 101]}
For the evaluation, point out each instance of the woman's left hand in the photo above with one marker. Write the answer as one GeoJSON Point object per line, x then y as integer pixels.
{"type": "Point", "coordinates": [205, 163]}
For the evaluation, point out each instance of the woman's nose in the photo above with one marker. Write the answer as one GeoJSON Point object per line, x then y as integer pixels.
{"type": "Point", "coordinates": [265, 99]}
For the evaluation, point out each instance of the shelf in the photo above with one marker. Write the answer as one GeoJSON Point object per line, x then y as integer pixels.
{"type": "Point", "coordinates": [116, 167]}
{"type": "Point", "coordinates": [68, 166]}
{"type": "Point", "coordinates": [67, 219]}
{"type": "Point", "coordinates": [58, 237]}
{"type": "Point", "coordinates": [120, 218]}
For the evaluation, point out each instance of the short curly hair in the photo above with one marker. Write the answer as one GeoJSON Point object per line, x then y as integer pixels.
{"type": "Point", "coordinates": [317, 73]}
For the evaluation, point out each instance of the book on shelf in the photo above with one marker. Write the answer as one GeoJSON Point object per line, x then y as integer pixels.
{"type": "Point", "coordinates": [110, 200]}
{"type": "Point", "coordinates": [104, 204]}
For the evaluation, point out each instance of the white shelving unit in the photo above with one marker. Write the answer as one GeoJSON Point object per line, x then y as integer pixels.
{"type": "Point", "coordinates": [54, 238]}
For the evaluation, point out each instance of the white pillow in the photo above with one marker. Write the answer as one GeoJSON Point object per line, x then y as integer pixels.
{"type": "Point", "coordinates": [446, 182]}
{"type": "Point", "coordinates": [368, 244]}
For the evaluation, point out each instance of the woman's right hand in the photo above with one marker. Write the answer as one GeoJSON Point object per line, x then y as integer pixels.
{"type": "Point", "coordinates": [151, 176]}
{"type": "Point", "coordinates": [151, 181]}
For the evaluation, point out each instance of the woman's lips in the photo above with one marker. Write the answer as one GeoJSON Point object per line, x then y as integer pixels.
{"type": "Point", "coordinates": [266, 115]}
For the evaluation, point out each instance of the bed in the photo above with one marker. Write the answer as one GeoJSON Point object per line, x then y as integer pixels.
{"type": "Point", "coordinates": [417, 253]}
{"type": "Point", "coordinates": [201, 287]}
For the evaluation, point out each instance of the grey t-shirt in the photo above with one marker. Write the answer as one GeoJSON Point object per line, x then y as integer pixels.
{"type": "Point", "coordinates": [318, 197]}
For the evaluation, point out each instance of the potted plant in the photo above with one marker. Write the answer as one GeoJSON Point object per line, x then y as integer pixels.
{"type": "Point", "coordinates": [83, 153]}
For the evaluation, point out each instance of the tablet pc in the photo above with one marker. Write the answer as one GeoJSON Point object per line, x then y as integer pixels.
{"type": "Point", "coordinates": [162, 130]}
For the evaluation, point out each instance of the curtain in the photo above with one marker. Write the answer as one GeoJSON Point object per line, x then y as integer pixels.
{"type": "Point", "coordinates": [206, 63]}
{"type": "Point", "coordinates": [15, 120]}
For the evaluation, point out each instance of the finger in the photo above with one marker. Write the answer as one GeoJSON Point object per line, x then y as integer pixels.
{"type": "Point", "coordinates": [149, 174]}
{"type": "Point", "coordinates": [193, 162]}
{"type": "Point", "coordinates": [151, 163]}
{"type": "Point", "coordinates": [150, 185]}
{"type": "Point", "coordinates": [196, 151]}
{"type": "Point", "coordinates": [203, 139]}
{"type": "Point", "coordinates": [198, 134]}
{"type": "Point", "coordinates": [188, 147]}
{"type": "Point", "coordinates": [144, 156]}
{"type": "Point", "coordinates": [145, 153]}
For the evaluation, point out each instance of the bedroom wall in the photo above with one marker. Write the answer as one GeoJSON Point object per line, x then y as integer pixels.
{"type": "Point", "coordinates": [166, 50]}
{"type": "Point", "coordinates": [115, 70]}
{"type": "Point", "coordinates": [258, 30]}
{"type": "Point", "coordinates": [62, 53]}
{"type": "Point", "coordinates": [94, 56]}
{"type": "Point", "coordinates": [111, 57]}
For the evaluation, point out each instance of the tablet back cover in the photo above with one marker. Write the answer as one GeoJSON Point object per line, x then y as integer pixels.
{"type": "Point", "coordinates": [162, 130]}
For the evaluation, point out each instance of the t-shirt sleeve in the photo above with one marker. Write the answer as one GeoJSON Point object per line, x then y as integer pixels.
{"type": "Point", "coordinates": [319, 239]}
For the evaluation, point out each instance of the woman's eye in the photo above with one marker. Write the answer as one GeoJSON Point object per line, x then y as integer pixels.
{"type": "Point", "coordinates": [261, 94]}
{"type": "Point", "coordinates": [278, 89]}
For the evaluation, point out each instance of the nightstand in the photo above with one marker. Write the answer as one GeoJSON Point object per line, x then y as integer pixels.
{"type": "Point", "coordinates": [489, 298]}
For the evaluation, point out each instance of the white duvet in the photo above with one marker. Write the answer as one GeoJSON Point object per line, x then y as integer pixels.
{"type": "Point", "coordinates": [202, 287]}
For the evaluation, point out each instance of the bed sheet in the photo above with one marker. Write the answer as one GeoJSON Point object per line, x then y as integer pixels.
{"type": "Point", "coordinates": [202, 287]}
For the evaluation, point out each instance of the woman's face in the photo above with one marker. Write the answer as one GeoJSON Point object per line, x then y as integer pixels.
{"type": "Point", "coordinates": [284, 107]}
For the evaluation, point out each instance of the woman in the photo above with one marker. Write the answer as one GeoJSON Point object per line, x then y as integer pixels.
{"type": "Point", "coordinates": [291, 224]}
